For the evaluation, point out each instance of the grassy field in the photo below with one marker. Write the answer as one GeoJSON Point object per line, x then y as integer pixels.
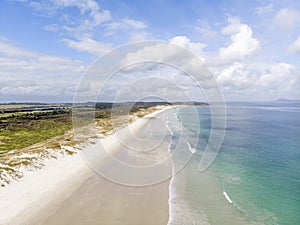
{"type": "Point", "coordinates": [21, 129]}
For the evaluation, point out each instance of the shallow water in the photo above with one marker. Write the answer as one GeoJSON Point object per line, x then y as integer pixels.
{"type": "Point", "coordinates": [257, 168]}
{"type": "Point", "coordinates": [195, 197]}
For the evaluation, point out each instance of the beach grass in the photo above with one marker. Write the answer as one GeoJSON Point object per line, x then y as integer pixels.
{"type": "Point", "coordinates": [29, 137]}
{"type": "Point", "coordinates": [21, 129]}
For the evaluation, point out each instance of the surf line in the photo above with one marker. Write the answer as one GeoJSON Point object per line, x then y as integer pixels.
{"type": "Point", "coordinates": [227, 197]}
{"type": "Point", "coordinates": [192, 150]}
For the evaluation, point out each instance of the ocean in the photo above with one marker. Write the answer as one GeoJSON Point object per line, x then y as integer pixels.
{"type": "Point", "coordinates": [255, 178]}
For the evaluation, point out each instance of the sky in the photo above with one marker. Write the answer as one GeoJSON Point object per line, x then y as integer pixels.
{"type": "Point", "coordinates": [251, 47]}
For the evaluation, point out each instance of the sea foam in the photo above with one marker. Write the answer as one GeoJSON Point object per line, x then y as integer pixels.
{"type": "Point", "coordinates": [192, 150]}
{"type": "Point", "coordinates": [227, 197]}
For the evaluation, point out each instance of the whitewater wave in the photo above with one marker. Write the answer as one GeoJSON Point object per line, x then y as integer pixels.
{"type": "Point", "coordinates": [192, 150]}
{"type": "Point", "coordinates": [180, 212]}
{"type": "Point", "coordinates": [227, 197]}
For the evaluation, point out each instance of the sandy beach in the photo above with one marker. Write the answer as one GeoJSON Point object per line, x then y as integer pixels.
{"type": "Point", "coordinates": [68, 191]}
{"type": "Point", "coordinates": [99, 201]}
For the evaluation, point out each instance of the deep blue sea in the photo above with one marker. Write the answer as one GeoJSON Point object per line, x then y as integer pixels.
{"type": "Point", "coordinates": [257, 168]}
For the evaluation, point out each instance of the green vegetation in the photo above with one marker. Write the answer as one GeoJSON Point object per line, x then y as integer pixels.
{"type": "Point", "coordinates": [22, 125]}
{"type": "Point", "coordinates": [22, 129]}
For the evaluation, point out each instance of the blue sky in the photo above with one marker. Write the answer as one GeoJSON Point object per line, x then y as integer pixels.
{"type": "Point", "coordinates": [252, 47]}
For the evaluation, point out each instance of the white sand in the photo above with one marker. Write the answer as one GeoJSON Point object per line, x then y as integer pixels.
{"type": "Point", "coordinates": [37, 185]}
{"type": "Point", "coordinates": [53, 183]}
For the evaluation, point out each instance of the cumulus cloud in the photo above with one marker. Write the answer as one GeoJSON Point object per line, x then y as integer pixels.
{"type": "Point", "coordinates": [185, 42]}
{"type": "Point", "coordinates": [145, 87]}
{"type": "Point", "coordinates": [124, 24]}
{"type": "Point", "coordinates": [26, 72]}
{"type": "Point", "coordinates": [238, 79]}
{"type": "Point", "coordinates": [140, 35]}
{"type": "Point", "coordinates": [33, 74]}
{"type": "Point", "coordinates": [88, 45]}
{"type": "Point", "coordinates": [295, 46]}
{"type": "Point", "coordinates": [236, 75]}
{"type": "Point", "coordinates": [160, 60]}
{"type": "Point", "coordinates": [90, 15]}
{"type": "Point", "coordinates": [34, 60]}
{"type": "Point", "coordinates": [161, 80]}
{"type": "Point", "coordinates": [79, 28]}
{"type": "Point", "coordinates": [279, 77]}
{"type": "Point", "coordinates": [287, 19]}
{"type": "Point", "coordinates": [187, 61]}
{"type": "Point", "coordinates": [8, 49]}
{"type": "Point", "coordinates": [242, 45]}
{"type": "Point", "coordinates": [271, 81]}
{"type": "Point", "coordinates": [172, 55]}
{"type": "Point", "coordinates": [240, 75]}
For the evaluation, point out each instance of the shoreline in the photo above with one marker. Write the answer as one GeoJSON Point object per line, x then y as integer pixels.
{"type": "Point", "coordinates": [17, 162]}
{"type": "Point", "coordinates": [33, 196]}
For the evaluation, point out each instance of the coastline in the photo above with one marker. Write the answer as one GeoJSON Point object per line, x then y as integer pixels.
{"type": "Point", "coordinates": [45, 189]}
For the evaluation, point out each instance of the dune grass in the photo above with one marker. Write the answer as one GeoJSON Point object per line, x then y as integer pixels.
{"type": "Point", "coordinates": [20, 130]}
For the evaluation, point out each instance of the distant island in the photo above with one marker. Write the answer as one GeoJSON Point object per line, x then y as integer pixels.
{"type": "Point", "coordinates": [284, 100]}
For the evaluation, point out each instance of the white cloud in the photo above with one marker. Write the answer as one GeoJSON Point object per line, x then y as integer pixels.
{"type": "Point", "coordinates": [204, 29]}
{"type": "Point", "coordinates": [158, 59]}
{"type": "Point", "coordinates": [79, 28]}
{"type": "Point", "coordinates": [52, 27]}
{"type": "Point", "coordinates": [242, 45]}
{"type": "Point", "coordinates": [239, 79]}
{"type": "Point", "coordinates": [143, 87]}
{"type": "Point", "coordinates": [33, 74]}
{"type": "Point", "coordinates": [185, 42]}
{"type": "Point", "coordinates": [263, 10]}
{"type": "Point", "coordinates": [250, 81]}
{"type": "Point", "coordinates": [235, 75]}
{"type": "Point", "coordinates": [187, 61]}
{"type": "Point", "coordinates": [124, 24]}
{"type": "Point", "coordinates": [287, 18]}
{"type": "Point", "coordinates": [134, 24]}
{"type": "Point", "coordinates": [295, 46]}
{"type": "Point", "coordinates": [88, 45]}
{"type": "Point", "coordinates": [90, 15]}
{"type": "Point", "coordinates": [278, 77]}
{"type": "Point", "coordinates": [10, 50]}
{"type": "Point", "coordinates": [88, 7]}
{"type": "Point", "coordinates": [140, 36]}
{"type": "Point", "coordinates": [168, 53]}
{"type": "Point", "coordinates": [159, 80]}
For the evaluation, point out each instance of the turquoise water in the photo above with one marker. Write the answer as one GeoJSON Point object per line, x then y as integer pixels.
{"type": "Point", "coordinates": [258, 167]}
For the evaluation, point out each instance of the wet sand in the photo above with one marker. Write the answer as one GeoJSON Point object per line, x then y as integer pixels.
{"type": "Point", "coordinates": [99, 201]}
